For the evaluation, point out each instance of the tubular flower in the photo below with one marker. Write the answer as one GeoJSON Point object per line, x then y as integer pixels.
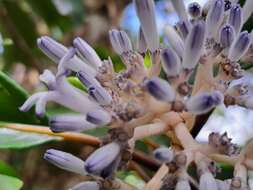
{"type": "Point", "coordinates": [166, 98]}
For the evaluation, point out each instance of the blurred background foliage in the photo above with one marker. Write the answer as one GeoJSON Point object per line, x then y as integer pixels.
{"type": "Point", "coordinates": [21, 62]}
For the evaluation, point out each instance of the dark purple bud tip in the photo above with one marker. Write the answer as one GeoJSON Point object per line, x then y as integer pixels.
{"type": "Point", "coordinates": [227, 35]}
{"type": "Point", "coordinates": [160, 89]}
{"type": "Point", "coordinates": [235, 17]}
{"type": "Point", "coordinates": [194, 9]}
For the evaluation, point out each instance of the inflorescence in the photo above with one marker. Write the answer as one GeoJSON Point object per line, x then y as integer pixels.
{"type": "Point", "coordinates": [137, 102]}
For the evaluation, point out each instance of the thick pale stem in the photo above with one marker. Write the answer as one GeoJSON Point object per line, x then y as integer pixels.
{"type": "Point", "coordinates": [204, 77]}
{"type": "Point", "coordinates": [156, 182]}
{"type": "Point", "coordinates": [156, 64]}
{"type": "Point", "coordinates": [184, 136]}
{"type": "Point", "coordinates": [146, 131]}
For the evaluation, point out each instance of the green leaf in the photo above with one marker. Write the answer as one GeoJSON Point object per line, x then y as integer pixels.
{"type": "Point", "coordinates": [10, 183]}
{"type": "Point", "coordinates": [6, 169]}
{"type": "Point", "coordinates": [13, 139]}
{"type": "Point", "coordinates": [77, 83]}
{"type": "Point", "coordinates": [12, 96]}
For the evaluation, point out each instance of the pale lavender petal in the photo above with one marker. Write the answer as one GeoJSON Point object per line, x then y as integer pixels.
{"type": "Point", "coordinates": [247, 10]}
{"type": "Point", "coordinates": [164, 154]}
{"type": "Point", "coordinates": [87, 53]}
{"type": "Point", "coordinates": [87, 79]}
{"type": "Point", "coordinates": [203, 102]}
{"type": "Point", "coordinates": [194, 46]}
{"type": "Point", "coordinates": [51, 48]}
{"type": "Point", "coordinates": [183, 185]}
{"type": "Point", "coordinates": [87, 185]}
{"type": "Point", "coordinates": [175, 40]}
{"type": "Point", "coordinates": [125, 41]}
{"type": "Point", "coordinates": [142, 44]}
{"type": "Point", "coordinates": [40, 107]}
{"type": "Point", "coordinates": [62, 123]}
{"type": "Point", "coordinates": [227, 35]}
{"type": "Point", "coordinates": [62, 66]}
{"type": "Point", "coordinates": [56, 51]}
{"type": "Point", "coordinates": [207, 182]}
{"type": "Point", "coordinates": [146, 12]}
{"type": "Point", "coordinates": [48, 78]}
{"type": "Point", "coordinates": [235, 18]}
{"type": "Point", "coordinates": [98, 117]}
{"type": "Point", "coordinates": [31, 101]}
{"type": "Point", "coordinates": [240, 46]}
{"type": "Point", "coordinates": [113, 35]}
{"type": "Point", "coordinates": [100, 95]}
{"type": "Point", "coordinates": [65, 161]}
{"type": "Point", "coordinates": [102, 158]}
{"type": "Point", "coordinates": [183, 28]}
{"type": "Point", "coordinates": [180, 9]}
{"type": "Point", "coordinates": [214, 18]}
{"type": "Point", "coordinates": [160, 89]}
{"type": "Point", "coordinates": [171, 62]}
{"type": "Point", "coordinates": [74, 98]}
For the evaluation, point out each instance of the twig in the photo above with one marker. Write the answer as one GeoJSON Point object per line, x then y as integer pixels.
{"type": "Point", "coordinates": [68, 136]}
{"type": "Point", "coordinates": [80, 138]}
{"type": "Point", "coordinates": [156, 182]}
{"type": "Point", "coordinates": [146, 160]}
{"type": "Point", "coordinates": [134, 166]}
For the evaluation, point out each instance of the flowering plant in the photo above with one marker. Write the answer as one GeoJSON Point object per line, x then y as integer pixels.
{"type": "Point", "coordinates": [137, 102]}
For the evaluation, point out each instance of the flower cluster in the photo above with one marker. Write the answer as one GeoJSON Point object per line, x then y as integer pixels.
{"type": "Point", "coordinates": [137, 102]}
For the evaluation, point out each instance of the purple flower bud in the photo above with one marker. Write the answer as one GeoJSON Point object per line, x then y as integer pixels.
{"type": "Point", "coordinates": [183, 28]}
{"type": "Point", "coordinates": [183, 184]}
{"type": "Point", "coordinates": [99, 161]}
{"type": "Point", "coordinates": [87, 185]}
{"type": "Point", "coordinates": [62, 123]}
{"type": "Point", "coordinates": [240, 46]}
{"type": "Point", "coordinates": [87, 53]}
{"type": "Point", "coordinates": [87, 79]}
{"type": "Point", "coordinates": [142, 44]}
{"type": "Point", "coordinates": [51, 48]}
{"type": "Point", "coordinates": [98, 117]}
{"type": "Point", "coordinates": [235, 18]}
{"type": "Point", "coordinates": [160, 89]}
{"type": "Point", "coordinates": [247, 10]}
{"type": "Point", "coordinates": [207, 182]}
{"type": "Point", "coordinates": [65, 161]}
{"type": "Point", "coordinates": [163, 154]}
{"type": "Point", "coordinates": [194, 46]}
{"type": "Point", "coordinates": [227, 35]}
{"type": "Point", "coordinates": [204, 102]}
{"type": "Point", "coordinates": [180, 9]}
{"type": "Point", "coordinates": [56, 51]}
{"type": "Point", "coordinates": [194, 10]}
{"type": "Point", "coordinates": [214, 17]}
{"type": "Point", "coordinates": [175, 40]}
{"type": "Point", "coordinates": [171, 62]}
{"type": "Point", "coordinates": [100, 95]}
{"type": "Point", "coordinates": [146, 12]}
{"type": "Point", "coordinates": [120, 41]}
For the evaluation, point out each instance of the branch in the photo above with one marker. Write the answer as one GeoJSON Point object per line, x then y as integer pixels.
{"type": "Point", "coordinates": [67, 136]}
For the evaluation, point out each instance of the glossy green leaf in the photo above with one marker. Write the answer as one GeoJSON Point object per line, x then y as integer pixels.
{"type": "Point", "coordinates": [10, 183]}
{"type": "Point", "coordinates": [77, 83]}
{"type": "Point", "coordinates": [6, 169]}
{"type": "Point", "coordinates": [13, 139]}
{"type": "Point", "coordinates": [12, 96]}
